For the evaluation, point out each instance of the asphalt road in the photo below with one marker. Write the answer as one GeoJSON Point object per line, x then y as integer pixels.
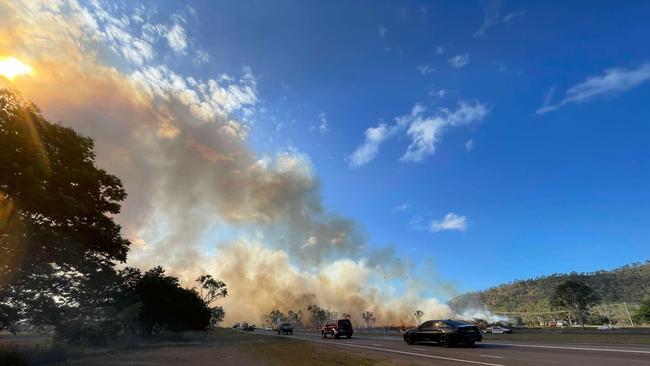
{"type": "Point", "coordinates": [491, 353]}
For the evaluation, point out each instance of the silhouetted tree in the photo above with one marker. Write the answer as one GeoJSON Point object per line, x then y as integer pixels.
{"type": "Point", "coordinates": [211, 290]}
{"type": "Point", "coordinates": [295, 317]}
{"type": "Point", "coordinates": [418, 314]}
{"type": "Point", "coordinates": [56, 214]}
{"type": "Point", "coordinates": [368, 318]}
{"type": "Point", "coordinates": [576, 296]}
{"type": "Point", "coordinates": [320, 315]}
{"type": "Point", "coordinates": [274, 317]}
{"type": "Point", "coordinates": [166, 305]}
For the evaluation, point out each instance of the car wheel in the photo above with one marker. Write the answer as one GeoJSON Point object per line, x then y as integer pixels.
{"type": "Point", "coordinates": [348, 336]}
{"type": "Point", "coordinates": [470, 343]}
{"type": "Point", "coordinates": [444, 341]}
{"type": "Point", "coordinates": [407, 339]}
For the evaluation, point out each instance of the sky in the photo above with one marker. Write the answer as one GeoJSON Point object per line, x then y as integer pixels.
{"type": "Point", "coordinates": [536, 191]}
{"type": "Point", "coordinates": [466, 143]}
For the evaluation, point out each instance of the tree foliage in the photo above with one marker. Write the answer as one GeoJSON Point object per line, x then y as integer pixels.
{"type": "Point", "coordinates": [56, 208]}
{"type": "Point", "coordinates": [59, 244]}
{"type": "Point", "coordinates": [369, 318]}
{"type": "Point", "coordinates": [167, 305]}
{"type": "Point", "coordinates": [576, 296]}
{"type": "Point", "coordinates": [211, 290]}
{"type": "Point", "coordinates": [629, 284]}
{"type": "Point", "coordinates": [643, 314]}
{"type": "Point", "coordinates": [320, 315]}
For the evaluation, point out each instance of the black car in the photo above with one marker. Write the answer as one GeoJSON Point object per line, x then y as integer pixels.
{"type": "Point", "coordinates": [285, 328]}
{"type": "Point", "coordinates": [445, 332]}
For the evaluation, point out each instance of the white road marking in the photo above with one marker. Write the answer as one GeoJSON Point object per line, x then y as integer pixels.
{"type": "Point", "coordinates": [491, 356]}
{"type": "Point", "coordinates": [573, 348]}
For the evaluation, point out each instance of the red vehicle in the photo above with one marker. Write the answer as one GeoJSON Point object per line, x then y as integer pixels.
{"type": "Point", "coordinates": [337, 328]}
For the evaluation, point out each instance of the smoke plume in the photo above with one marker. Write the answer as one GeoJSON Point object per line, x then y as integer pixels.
{"type": "Point", "coordinates": [200, 201]}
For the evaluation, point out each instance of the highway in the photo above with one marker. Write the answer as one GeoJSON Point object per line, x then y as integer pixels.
{"type": "Point", "coordinates": [491, 353]}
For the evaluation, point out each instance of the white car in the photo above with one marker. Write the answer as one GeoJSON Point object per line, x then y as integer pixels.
{"type": "Point", "coordinates": [268, 328]}
{"type": "Point", "coordinates": [497, 330]}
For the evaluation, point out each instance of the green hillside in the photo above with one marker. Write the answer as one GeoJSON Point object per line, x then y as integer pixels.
{"type": "Point", "coordinates": [629, 284]}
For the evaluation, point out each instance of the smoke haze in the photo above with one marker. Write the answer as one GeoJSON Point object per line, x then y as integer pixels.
{"type": "Point", "coordinates": [200, 200]}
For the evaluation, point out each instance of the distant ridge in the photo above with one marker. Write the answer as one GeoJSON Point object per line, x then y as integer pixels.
{"type": "Point", "coordinates": [630, 284]}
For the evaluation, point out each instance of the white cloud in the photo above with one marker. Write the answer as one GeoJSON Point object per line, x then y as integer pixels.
{"type": "Point", "coordinates": [206, 100]}
{"type": "Point", "coordinates": [201, 57]}
{"type": "Point", "coordinates": [469, 145]}
{"type": "Point", "coordinates": [440, 50]}
{"type": "Point", "coordinates": [493, 17]}
{"type": "Point", "coordinates": [451, 221]}
{"type": "Point", "coordinates": [323, 126]}
{"type": "Point", "coordinates": [425, 69]}
{"type": "Point", "coordinates": [382, 32]}
{"type": "Point", "coordinates": [401, 207]}
{"type": "Point", "coordinates": [459, 61]}
{"type": "Point", "coordinates": [370, 148]}
{"type": "Point", "coordinates": [438, 93]}
{"type": "Point", "coordinates": [176, 39]}
{"type": "Point", "coordinates": [426, 131]}
{"type": "Point", "coordinates": [612, 81]}
{"type": "Point", "coordinates": [135, 50]}
{"type": "Point", "coordinates": [512, 16]}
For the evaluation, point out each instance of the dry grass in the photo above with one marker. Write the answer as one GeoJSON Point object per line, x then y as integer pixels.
{"type": "Point", "coordinates": [228, 347]}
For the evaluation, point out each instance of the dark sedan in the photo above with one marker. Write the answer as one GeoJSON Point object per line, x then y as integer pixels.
{"type": "Point", "coordinates": [445, 332]}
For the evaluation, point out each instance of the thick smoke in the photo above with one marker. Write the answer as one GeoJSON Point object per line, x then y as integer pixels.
{"type": "Point", "coordinates": [199, 199]}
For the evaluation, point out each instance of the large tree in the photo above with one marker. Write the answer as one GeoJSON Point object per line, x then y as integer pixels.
{"type": "Point", "coordinates": [575, 296]}
{"type": "Point", "coordinates": [56, 214]}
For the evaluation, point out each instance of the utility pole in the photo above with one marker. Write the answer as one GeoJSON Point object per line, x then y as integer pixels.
{"type": "Point", "coordinates": [628, 313]}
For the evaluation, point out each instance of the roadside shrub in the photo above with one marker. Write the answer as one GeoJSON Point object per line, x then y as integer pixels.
{"type": "Point", "coordinates": [79, 332]}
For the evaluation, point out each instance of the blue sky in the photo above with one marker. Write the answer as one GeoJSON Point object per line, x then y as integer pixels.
{"type": "Point", "coordinates": [498, 140]}
{"type": "Point", "coordinates": [564, 190]}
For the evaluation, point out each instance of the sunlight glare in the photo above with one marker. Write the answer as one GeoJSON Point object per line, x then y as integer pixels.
{"type": "Point", "coordinates": [10, 67]}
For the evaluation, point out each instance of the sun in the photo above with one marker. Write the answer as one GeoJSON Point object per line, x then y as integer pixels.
{"type": "Point", "coordinates": [10, 67]}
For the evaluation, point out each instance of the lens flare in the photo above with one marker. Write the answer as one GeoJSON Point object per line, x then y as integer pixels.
{"type": "Point", "coordinates": [10, 67]}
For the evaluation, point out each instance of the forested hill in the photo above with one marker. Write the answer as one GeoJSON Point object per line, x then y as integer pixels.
{"type": "Point", "coordinates": [630, 283]}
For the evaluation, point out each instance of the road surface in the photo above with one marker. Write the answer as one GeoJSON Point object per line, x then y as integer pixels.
{"type": "Point", "coordinates": [489, 353]}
